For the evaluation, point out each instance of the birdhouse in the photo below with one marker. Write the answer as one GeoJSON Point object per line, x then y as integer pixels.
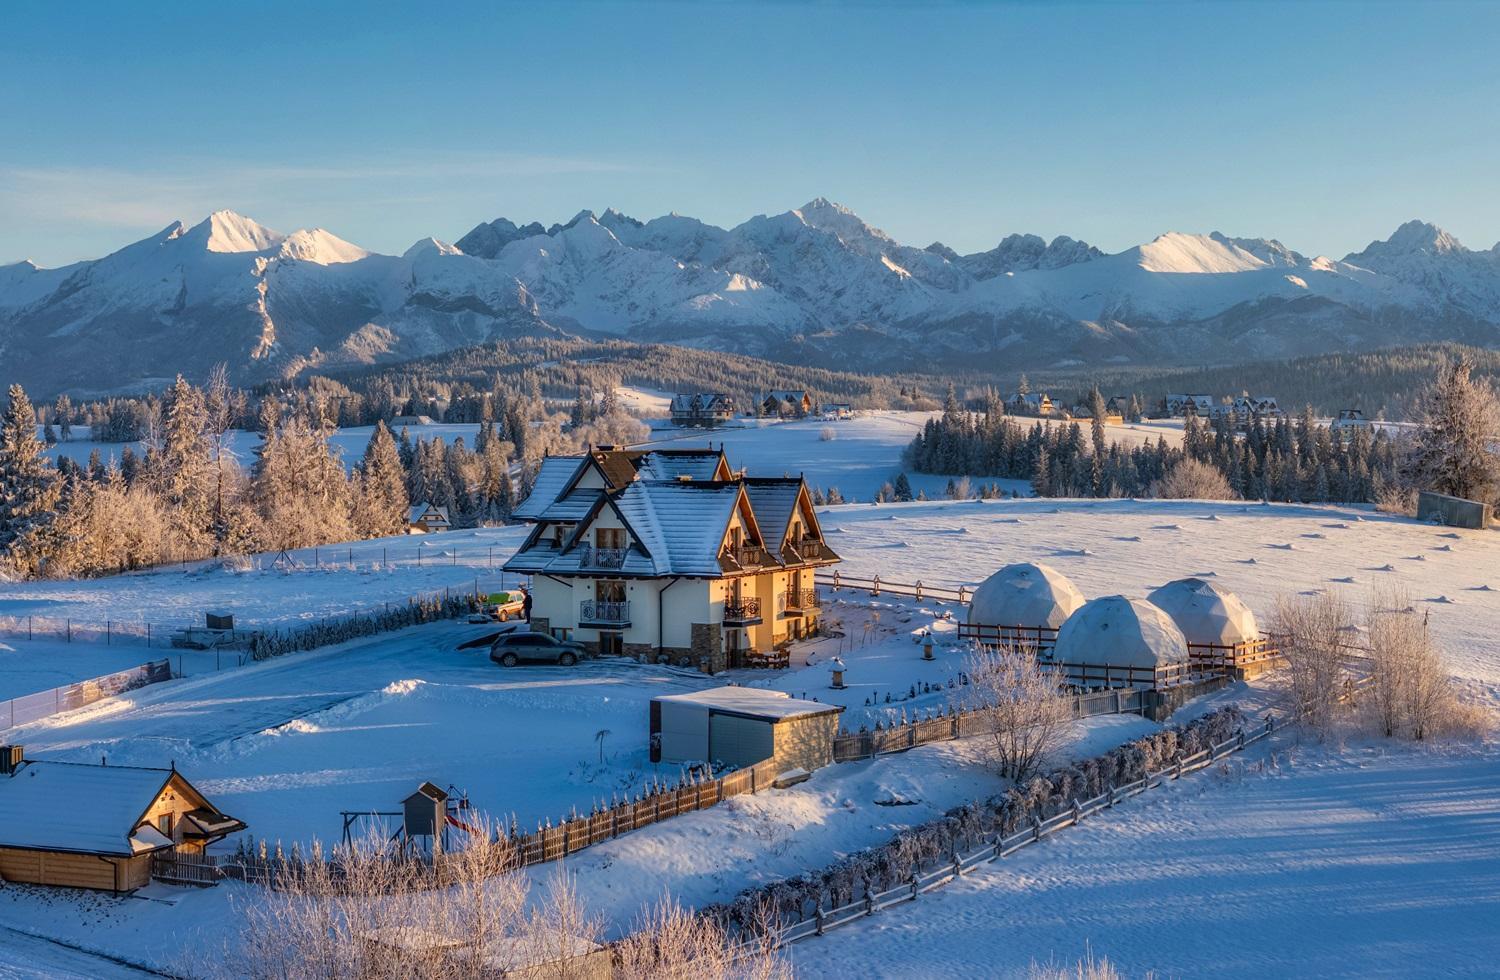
{"type": "Point", "coordinates": [836, 672]}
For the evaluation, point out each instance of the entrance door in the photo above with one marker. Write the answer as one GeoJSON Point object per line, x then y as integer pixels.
{"type": "Point", "coordinates": [611, 644]}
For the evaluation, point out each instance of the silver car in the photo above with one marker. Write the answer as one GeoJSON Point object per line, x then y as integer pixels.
{"type": "Point", "coordinates": [534, 648]}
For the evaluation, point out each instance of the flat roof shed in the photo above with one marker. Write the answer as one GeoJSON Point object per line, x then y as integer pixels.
{"type": "Point", "coordinates": [741, 726]}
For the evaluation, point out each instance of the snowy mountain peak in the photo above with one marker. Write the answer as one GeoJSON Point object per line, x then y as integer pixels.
{"type": "Point", "coordinates": [1417, 236]}
{"type": "Point", "coordinates": [227, 231]}
{"type": "Point", "coordinates": [430, 246]}
{"type": "Point", "coordinates": [486, 240]}
{"type": "Point", "coordinates": [1178, 252]}
{"type": "Point", "coordinates": [320, 246]}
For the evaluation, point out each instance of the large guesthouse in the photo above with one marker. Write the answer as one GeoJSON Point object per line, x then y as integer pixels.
{"type": "Point", "coordinates": [670, 554]}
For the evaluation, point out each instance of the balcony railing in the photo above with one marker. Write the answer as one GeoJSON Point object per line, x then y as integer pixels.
{"type": "Point", "coordinates": [746, 556]}
{"type": "Point", "coordinates": [593, 557]}
{"type": "Point", "coordinates": [810, 549]}
{"type": "Point", "coordinates": [742, 610]}
{"type": "Point", "coordinates": [609, 613]}
{"type": "Point", "coordinates": [800, 599]}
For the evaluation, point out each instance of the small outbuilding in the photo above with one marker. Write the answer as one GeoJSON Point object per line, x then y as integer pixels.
{"type": "Point", "coordinates": [1021, 604]}
{"type": "Point", "coordinates": [1207, 613]}
{"type": "Point", "coordinates": [1113, 641]}
{"type": "Point", "coordinates": [740, 726]}
{"type": "Point", "coordinates": [88, 826]}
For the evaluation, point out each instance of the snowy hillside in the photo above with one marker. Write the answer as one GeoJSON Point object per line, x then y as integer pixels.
{"type": "Point", "coordinates": [816, 283]}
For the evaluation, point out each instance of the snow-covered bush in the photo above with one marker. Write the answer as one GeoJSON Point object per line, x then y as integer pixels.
{"type": "Point", "coordinates": [1190, 479]}
{"type": "Point", "coordinates": [1410, 694]}
{"type": "Point", "coordinates": [1311, 631]}
{"type": "Point", "coordinates": [827, 434]}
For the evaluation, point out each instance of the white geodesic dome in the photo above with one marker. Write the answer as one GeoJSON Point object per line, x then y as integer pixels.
{"type": "Point", "coordinates": [1206, 612]}
{"type": "Point", "coordinates": [1120, 632]}
{"type": "Point", "coordinates": [1024, 595]}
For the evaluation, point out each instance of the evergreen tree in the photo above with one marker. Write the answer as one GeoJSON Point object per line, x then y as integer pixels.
{"type": "Point", "coordinates": [1459, 420]}
{"type": "Point", "coordinates": [381, 504]}
{"type": "Point", "coordinates": [29, 491]}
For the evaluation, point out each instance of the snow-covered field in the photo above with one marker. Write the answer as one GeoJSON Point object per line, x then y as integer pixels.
{"type": "Point", "coordinates": [287, 744]}
{"type": "Point", "coordinates": [1372, 862]}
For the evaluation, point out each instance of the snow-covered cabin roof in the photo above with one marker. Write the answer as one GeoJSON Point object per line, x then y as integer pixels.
{"type": "Point", "coordinates": [420, 511]}
{"type": "Point", "coordinates": [677, 464]}
{"type": "Point", "coordinates": [556, 472]}
{"type": "Point", "coordinates": [76, 807]}
{"type": "Point", "coordinates": [1119, 632]}
{"type": "Point", "coordinates": [1024, 594]}
{"type": "Point", "coordinates": [751, 702]}
{"type": "Point", "coordinates": [702, 401]}
{"type": "Point", "coordinates": [788, 396]}
{"type": "Point", "coordinates": [676, 529]}
{"type": "Point", "coordinates": [773, 499]}
{"type": "Point", "coordinates": [1206, 612]}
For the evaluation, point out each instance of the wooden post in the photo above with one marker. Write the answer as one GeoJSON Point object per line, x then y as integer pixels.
{"type": "Point", "coordinates": [875, 585]}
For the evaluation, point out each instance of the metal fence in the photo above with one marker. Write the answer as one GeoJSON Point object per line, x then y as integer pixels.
{"type": "Point", "coordinates": [34, 707]}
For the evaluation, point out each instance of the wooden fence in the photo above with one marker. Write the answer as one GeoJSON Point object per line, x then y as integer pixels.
{"type": "Point", "coordinates": [183, 868]}
{"type": "Point", "coordinates": [937, 874]}
{"type": "Point", "coordinates": [913, 590]}
{"type": "Point", "coordinates": [966, 723]}
{"type": "Point", "coordinates": [33, 707]}
{"type": "Point", "coordinates": [553, 842]}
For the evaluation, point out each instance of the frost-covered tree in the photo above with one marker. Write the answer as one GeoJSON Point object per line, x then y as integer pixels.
{"type": "Point", "coordinates": [381, 504]}
{"type": "Point", "coordinates": [299, 483]}
{"type": "Point", "coordinates": [1459, 421]}
{"type": "Point", "coordinates": [181, 465]}
{"type": "Point", "coordinates": [29, 491]}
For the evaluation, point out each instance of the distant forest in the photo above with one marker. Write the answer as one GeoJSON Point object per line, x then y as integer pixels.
{"type": "Point", "coordinates": [451, 386]}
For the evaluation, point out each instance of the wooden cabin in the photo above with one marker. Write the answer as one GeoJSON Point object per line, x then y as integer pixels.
{"type": "Point", "coordinates": [97, 826]}
{"type": "Point", "coordinates": [787, 404]}
{"type": "Point", "coordinates": [427, 518]}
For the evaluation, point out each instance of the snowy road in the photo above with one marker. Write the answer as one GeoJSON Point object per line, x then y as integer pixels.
{"type": "Point", "coordinates": [25, 957]}
{"type": "Point", "coordinates": [1382, 864]}
{"type": "Point", "coordinates": [288, 743]}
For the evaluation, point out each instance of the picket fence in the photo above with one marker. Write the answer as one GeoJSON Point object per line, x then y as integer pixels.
{"type": "Point", "coordinates": [43, 704]}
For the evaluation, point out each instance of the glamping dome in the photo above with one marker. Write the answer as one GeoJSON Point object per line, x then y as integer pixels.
{"type": "Point", "coordinates": [1120, 632]}
{"type": "Point", "coordinates": [1024, 595]}
{"type": "Point", "coordinates": [1206, 613]}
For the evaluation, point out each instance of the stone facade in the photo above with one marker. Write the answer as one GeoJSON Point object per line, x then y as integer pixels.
{"type": "Point", "coordinates": [708, 647]}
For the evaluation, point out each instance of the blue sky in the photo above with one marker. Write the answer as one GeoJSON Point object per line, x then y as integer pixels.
{"type": "Point", "coordinates": [1323, 124]}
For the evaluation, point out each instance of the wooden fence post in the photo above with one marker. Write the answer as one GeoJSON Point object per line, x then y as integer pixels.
{"type": "Point", "coordinates": [875, 585]}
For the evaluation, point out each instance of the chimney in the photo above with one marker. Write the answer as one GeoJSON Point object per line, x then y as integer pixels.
{"type": "Point", "coordinates": [11, 757]}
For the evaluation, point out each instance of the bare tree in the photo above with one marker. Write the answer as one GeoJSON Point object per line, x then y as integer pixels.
{"type": "Point", "coordinates": [1312, 632]}
{"type": "Point", "coordinates": [1410, 693]}
{"type": "Point", "coordinates": [674, 943]}
{"type": "Point", "coordinates": [1024, 712]}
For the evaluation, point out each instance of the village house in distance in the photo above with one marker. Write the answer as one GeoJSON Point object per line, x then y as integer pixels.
{"type": "Point", "coordinates": [668, 554]}
{"type": "Point", "coordinates": [703, 409]}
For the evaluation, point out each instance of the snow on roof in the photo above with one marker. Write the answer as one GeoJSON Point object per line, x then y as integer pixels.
{"type": "Point", "coordinates": [573, 507]}
{"type": "Point", "coordinates": [773, 499]}
{"type": "Point", "coordinates": [697, 464]}
{"type": "Point", "coordinates": [555, 473]}
{"type": "Point", "coordinates": [753, 702]}
{"type": "Point", "coordinates": [681, 524]}
{"type": "Point", "coordinates": [1120, 632]}
{"type": "Point", "coordinates": [1206, 612]}
{"type": "Point", "coordinates": [66, 806]}
{"type": "Point", "coordinates": [1024, 594]}
{"type": "Point", "coordinates": [422, 510]}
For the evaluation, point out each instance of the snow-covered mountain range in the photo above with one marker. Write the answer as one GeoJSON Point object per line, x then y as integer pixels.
{"type": "Point", "coordinates": [816, 284]}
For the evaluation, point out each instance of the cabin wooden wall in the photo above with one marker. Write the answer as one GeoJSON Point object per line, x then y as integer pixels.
{"type": "Point", "coordinates": [74, 870]}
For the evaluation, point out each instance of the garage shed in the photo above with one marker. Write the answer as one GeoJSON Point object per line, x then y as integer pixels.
{"type": "Point", "coordinates": [740, 726]}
